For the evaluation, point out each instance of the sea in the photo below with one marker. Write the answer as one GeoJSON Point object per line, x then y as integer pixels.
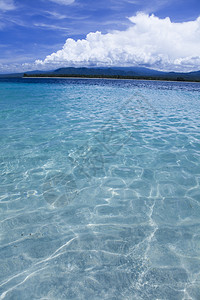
{"type": "Point", "coordinates": [99, 189]}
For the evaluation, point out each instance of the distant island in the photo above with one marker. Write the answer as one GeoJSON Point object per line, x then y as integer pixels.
{"type": "Point", "coordinates": [112, 73]}
{"type": "Point", "coordinates": [108, 77]}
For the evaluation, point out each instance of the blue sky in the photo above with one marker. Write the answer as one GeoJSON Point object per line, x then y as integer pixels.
{"type": "Point", "coordinates": [32, 30]}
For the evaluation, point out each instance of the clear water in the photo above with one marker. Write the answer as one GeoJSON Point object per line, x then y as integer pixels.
{"type": "Point", "coordinates": [99, 189]}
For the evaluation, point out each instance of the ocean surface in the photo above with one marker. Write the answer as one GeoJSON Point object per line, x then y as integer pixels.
{"type": "Point", "coordinates": [99, 189]}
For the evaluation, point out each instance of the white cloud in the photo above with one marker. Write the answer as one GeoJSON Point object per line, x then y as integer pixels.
{"type": "Point", "coordinates": [6, 5]}
{"type": "Point", "coordinates": [150, 41]}
{"type": "Point", "coordinates": [55, 15]}
{"type": "Point", "coordinates": [63, 2]}
{"type": "Point", "coordinates": [49, 26]}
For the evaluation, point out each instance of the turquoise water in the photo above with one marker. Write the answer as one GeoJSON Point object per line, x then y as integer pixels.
{"type": "Point", "coordinates": [99, 189]}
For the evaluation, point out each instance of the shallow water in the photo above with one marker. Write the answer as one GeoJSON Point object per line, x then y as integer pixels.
{"type": "Point", "coordinates": [99, 189]}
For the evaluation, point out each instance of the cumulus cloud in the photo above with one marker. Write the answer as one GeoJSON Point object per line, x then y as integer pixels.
{"type": "Point", "coordinates": [63, 2]}
{"type": "Point", "coordinates": [149, 41]}
{"type": "Point", "coordinates": [6, 5]}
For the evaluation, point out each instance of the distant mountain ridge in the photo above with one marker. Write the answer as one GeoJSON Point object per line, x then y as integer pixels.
{"type": "Point", "coordinates": [117, 72]}
{"type": "Point", "coordinates": [134, 71]}
{"type": "Point", "coordinates": [125, 71]}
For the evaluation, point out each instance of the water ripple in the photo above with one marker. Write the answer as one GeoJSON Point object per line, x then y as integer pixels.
{"type": "Point", "coordinates": [99, 189]}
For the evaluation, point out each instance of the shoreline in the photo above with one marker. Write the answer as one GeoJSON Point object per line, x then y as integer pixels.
{"type": "Point", "coordinates": [108, 78]}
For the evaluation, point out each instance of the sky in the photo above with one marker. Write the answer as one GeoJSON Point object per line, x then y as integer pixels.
{"type": "Point", "coordinates": [47, 34]}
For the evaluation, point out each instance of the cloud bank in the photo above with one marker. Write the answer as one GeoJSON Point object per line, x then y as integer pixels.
{"type": "Point", "coordinates": [149, 41]}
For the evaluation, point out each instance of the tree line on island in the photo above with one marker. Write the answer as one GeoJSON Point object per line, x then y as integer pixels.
{"type": "Point", "coordinates": [108, 77]}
